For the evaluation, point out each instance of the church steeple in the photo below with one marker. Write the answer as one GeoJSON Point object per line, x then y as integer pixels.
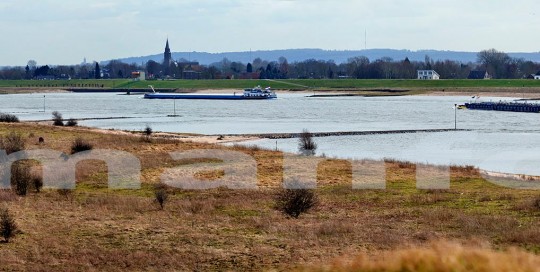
{"type": "Point", "coordinates": [167, 54]}
{"type": "Point", "coordinates": [167, 58]}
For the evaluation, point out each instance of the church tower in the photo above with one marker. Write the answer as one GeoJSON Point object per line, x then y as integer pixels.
{"type": "Point", "coordinates": [167, 58]}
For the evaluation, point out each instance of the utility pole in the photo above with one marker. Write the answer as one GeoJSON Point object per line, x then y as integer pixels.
{"type": "Point", "coordinates": [455, 116]}
{"type": "Point", "coordinates": [365, 39]}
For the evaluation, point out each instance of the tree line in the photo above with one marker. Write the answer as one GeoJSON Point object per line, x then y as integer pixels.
{"type": "Point", "coordinates": [497, 63]}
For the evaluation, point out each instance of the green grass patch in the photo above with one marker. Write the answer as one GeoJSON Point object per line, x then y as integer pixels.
{"type": "Point", "coordinates": [239, 213]}
{"type": "Point", "coordinates": [276, 84]}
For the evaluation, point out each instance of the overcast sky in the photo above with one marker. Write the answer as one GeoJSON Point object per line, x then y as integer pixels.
{"type": "Point", "coordinates": [65, 32]}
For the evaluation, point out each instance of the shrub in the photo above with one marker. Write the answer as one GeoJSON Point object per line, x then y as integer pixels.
{"type": "Point", "coordinates": [20, 178]}
{"type": "Point", "coordinates": [57, 118]}
{"type": "Point", "coordinates": [7, 225]}
{"type": "Point", "coordinates": [161, 195]}
{"type": "Point", "coordinates": [37, 182]}
{"type": "Point", "coordinates": [306, 145]}
{"type": "Point", "coordinates": [80, 145]}
{"type": "Point", "coordinates": [536, 203]}
{"type": "Point", "coordinates": [294, 202]}
{"type": "Point", "coordinates": [71, 122]}
{"type": "Point", "coordinates": [8, 118]}
{"type": "Point", "coordinates": [23, 178]}
{"type": "Point", "coordinates": [147, 134]}
{"type": "Point", "coordinates": [148, 131]}
{"type": "Point", "coordinates": [12, 142]}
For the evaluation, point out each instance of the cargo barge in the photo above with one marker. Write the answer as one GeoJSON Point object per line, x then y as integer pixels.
{"type": "Point", "coordinates": [503, 106]}
{"type": "Point", "coordinates": [256, 93]}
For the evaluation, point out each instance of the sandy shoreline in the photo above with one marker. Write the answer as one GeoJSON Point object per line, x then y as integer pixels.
{"type": "Point", "coordinates": [18, 90]}
{"type": "Point", "coordinates": [525, 95]}
{"type": "Point", "coordinates": [186, 137]}
{"type": "Point", "coordinates": [208, 139]}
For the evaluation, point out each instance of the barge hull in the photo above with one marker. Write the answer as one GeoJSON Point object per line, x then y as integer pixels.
{"type": "Point", "coordinates": [504, 106]}
{"type": "Point", "coordinates": [203, 96]}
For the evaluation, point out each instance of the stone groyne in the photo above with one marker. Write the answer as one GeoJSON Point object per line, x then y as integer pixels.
{"type": "Point", "coordinates": [338, 133]}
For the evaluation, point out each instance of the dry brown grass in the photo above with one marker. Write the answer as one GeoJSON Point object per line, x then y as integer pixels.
{"type": "Point", "coordinates": [439, 256]}
{"type": "Point", "coordinates": [220, 229]}
{"type": "Point", "coordinates": [7, 196]}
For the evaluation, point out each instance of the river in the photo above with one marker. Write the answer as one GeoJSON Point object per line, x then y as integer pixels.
{"type": "Point", "coordinates": [497, 141]}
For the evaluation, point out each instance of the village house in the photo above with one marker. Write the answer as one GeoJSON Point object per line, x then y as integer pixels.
{"type": "Point", "coordinates": [190, 70]}
{"type": "Point", "coordinates": [138, 76]}
{"type": "Point", "coordinates": [478, 74]}
{"type": "Point", "coordinates": [428, 74]}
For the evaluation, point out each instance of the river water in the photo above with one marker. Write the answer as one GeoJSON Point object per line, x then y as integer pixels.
{"type": "Point", "coordinates": [497, 141]}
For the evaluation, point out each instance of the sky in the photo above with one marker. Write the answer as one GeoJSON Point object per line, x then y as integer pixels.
{"type": "Point", "coordinates": [66, 32]}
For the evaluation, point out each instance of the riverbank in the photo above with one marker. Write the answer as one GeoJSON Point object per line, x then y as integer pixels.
{"type": "Point", "coordinates": [517, 92]}
{"type": "Point", "coordinates": [17, 90]}
{"type": "Point", "coordinates": [187, 137]}
{"type": "Point", "coordinates": [226, 229]}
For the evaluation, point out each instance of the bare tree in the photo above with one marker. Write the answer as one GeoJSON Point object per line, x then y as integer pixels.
{"type": "Point", "coordinates": [283, 67]}
{"type": "Point", "coordinates": [58, 120]}
{"type": "Point", "coordinates": [495, 62]}
{"type": "Point", "coordinates": [306, 145]}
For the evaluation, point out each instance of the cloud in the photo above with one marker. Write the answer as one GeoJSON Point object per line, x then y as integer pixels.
{"type": "Point", "coordinates": [106, 29]}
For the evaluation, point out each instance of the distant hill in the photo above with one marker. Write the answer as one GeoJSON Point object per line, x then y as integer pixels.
{"type": "Point", "coordinates": [339, 56]}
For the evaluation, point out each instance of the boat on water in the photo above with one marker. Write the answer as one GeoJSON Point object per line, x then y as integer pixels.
{"type": "Point", "coordinates": [256, 93]}
{"type": "Point", "coordinates": [502, 106]}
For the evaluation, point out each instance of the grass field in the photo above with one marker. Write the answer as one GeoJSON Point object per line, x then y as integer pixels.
{"type": "Point", "coordinates": [94, 227]}
{"type": "Point", "coordinates": [279, 84]}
